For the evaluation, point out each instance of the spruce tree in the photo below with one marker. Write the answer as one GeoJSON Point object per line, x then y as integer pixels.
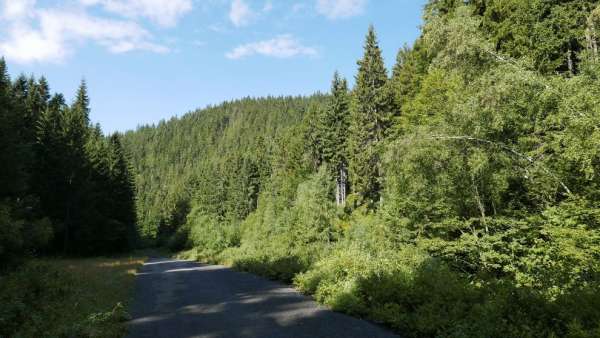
{"type": "Point", "coordinates": [57, 102]}
{"type": "Point", "coordinates": [312, 130]}
{"type": "Point", "coordinates": [76, 133]}
{"type": "Point", "coordinates": [121, 175]}
{"type": "Point", "coordinates": [82, 102]}
{"type": "Point", "coordinates": [20, 89]}
{"type": "Point", "coordinates": [44, 89]}
{"type": "Point", "coordinates": [50, 174]}
{"type": "Point", "coordinates": [411, 65]}
{"type": "Point", "coordinates": [10, 151]}
{"type": "Point", "coordinates": [333, 123]}
{"type": "Point", "coordinates": [371, 116]}
{"type": "Point", "coordinates": [36, 102]}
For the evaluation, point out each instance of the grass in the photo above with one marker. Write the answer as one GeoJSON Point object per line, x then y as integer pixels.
{"type": "Point", "coordinates": [86, 297]}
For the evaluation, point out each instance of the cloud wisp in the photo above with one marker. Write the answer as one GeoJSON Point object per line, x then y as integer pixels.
{"type": "Point", "coordinates": [341, 9]}
{"type": "Point", "coordinates": [165, 13]}
{"type": "Point", "coordinates": [240, 13]}
{"type": "Point", "coordinates": [282, 46]}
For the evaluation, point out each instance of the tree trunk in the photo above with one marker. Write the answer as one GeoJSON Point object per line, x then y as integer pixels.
{"type": "Point", "coordinates": [341, 183]}
{"type": "Point", "coordinates": [592, 44]}
{"type": "Point", "coordinates": [570, 62]}
{"type": "Point", "coordinates": [479, 203]}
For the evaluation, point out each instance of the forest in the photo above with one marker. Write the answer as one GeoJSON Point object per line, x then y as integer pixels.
{"type": "Point", "coordinates": [455, 195]}
{"type": "Point", "coordinates": [66, 190]}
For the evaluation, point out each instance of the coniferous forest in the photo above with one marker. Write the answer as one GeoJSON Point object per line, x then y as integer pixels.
{"type": "Point", "coordinates": [455, 195]}
{"type": "Point", "coordinates": [66, 188]}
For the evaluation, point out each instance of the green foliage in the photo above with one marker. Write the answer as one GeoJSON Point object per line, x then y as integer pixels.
{"type": "Point", "coordinates": [474, 174]}
{"type": "Point", "coordinates": [210, 236]}
{"type": "Point", "coordinates": [217, 159]}
{"type": "Point", "coordinates": [66, 298]}
{"type": "Point", "coordinates": [371, 116]}
{"type": "Point", "coordinates": [64, 187]}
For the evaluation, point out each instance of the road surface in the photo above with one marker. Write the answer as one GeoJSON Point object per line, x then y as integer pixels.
{"type": "Point", "coordinates": [175, 298]}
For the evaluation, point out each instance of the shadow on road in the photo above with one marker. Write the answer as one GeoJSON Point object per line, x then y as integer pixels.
{"type": "Point", "coordinates": [187, 299]}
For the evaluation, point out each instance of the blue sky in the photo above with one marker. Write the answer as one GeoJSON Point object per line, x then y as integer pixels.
{"type": "Point", "coordinates": [147, 60]}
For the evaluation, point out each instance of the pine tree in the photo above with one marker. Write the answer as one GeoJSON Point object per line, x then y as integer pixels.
{"type": "Point", "coordinates": [410, 67]}
{"type": "Point", "coordinates": [44, 89]}
{"type": "Point", "coordinates": [11, 178]}
{"type": "Point", "coordinates": [82, 102]}
{"type": "Point", "coordinates": [57, 102]}
{"type": "Point", "coordinates": [312, 134]}
{"type": "Point", "coordinates": [20, 89]}
{"type": "Point", "coordinates": [371, 116]}
{"type": "Point", "coordinates": [124, 186]}
{"type": "Point", "coordinates": [77, 171]}
{"type": "Point", "coordinates": [333, 125]}
{"type": "Point", "coordinates": [50, 170]}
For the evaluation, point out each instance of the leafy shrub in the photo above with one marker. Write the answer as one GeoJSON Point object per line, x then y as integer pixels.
{"type": "Point", "coordinates": [180, 239]}
{"type": "Point", "coordinates": [422, 297]}
{"type": "Point", "coordinates": [210, 236]}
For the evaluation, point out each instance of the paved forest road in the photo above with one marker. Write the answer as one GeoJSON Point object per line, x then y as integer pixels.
{"type": "Point", "coordinates": [186, 299]}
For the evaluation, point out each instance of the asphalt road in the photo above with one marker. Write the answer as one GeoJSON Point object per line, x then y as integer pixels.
{"type": "Point", "coordinates": [185, 299]}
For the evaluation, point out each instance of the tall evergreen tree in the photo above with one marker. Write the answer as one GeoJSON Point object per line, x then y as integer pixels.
{"type": "Point", "coordinates": [82, 102]}
{"type": "Point", "coordinates": [49, 180]}
{"type": "Point", "coordinates": [57, 102]}
{"type": "Point", "coordinates": [35, 103]}
{"type": "Point", "coordinates": [411, 65]}
{"type": "Point", "coordinates": [76, 131]}
{"type": "Point", "coordinates": [334, 122]}
{"type": "Point", "coordinates": [371, 116]}
{"type": "Point", "coordinates": [123, 195]}
{"type": "Point", "coordinates": [312, 130]}
{"type": "Point", "coordinates": [11, 170]}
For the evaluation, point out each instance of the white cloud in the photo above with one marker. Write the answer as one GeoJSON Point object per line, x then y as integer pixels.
{"type": "Point", "coordinates": [339, 9]}
{"type": "Point", "coordinates": [17, 8]}
{"type": "Point", "coordinates": [163, 12]}
{"type": "Point", "coordinates": [240, 13]}
{"type": "Point", "coordinates": [50, 35]}
{"type": "Point", "coordinates": [283, 46]}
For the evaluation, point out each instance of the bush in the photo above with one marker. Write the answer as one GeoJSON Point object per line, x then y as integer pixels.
{"type": "Point", "coordinates": [210, 236]}
{"type": "Point", "coordinates": [180, 239]}
{"type": "Point", "coordinates": [422, 297]}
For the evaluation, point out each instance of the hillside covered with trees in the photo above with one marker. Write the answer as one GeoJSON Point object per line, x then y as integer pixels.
{"type": "Point", "coordinates": [455, 195]}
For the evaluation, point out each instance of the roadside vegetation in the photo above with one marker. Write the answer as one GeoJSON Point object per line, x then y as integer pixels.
{"type": "Point", "coordinates": [456, 197]}
{"type": "Point", "coordinates": [68, 297]}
